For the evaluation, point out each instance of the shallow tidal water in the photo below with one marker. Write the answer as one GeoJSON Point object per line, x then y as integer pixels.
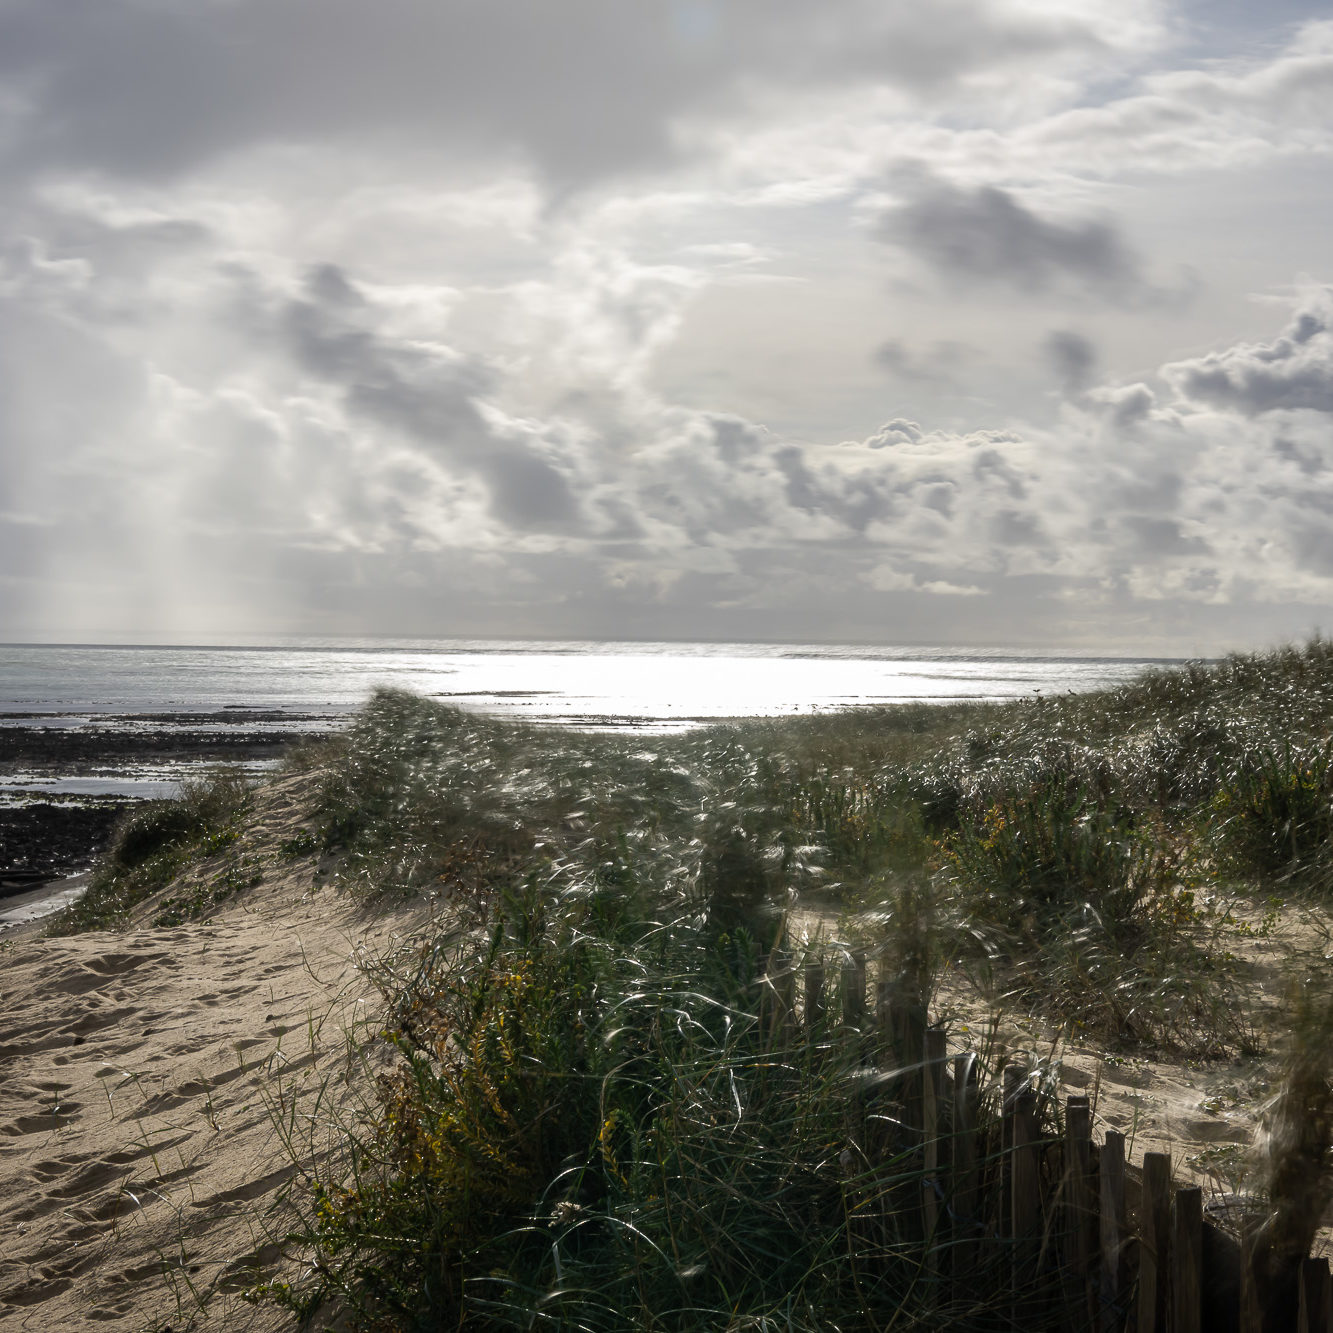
{"type": "Point", "coordinates": [649, 686]}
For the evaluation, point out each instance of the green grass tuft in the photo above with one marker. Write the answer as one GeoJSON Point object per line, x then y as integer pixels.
{"type": "Point", "coordinates": [153, 844]}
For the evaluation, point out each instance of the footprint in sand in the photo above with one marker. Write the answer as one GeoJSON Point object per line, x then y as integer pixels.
{"type": "Point", "coordinates": [58, 1167]}
{"type": "Point", "coordinates": [42, 1124]}
{"type": "Point", "coordinates": [116, 964]}
{"type": "Point", "coordinates": [34, 1293]}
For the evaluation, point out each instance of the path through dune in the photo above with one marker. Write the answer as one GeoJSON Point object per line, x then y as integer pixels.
{"type": "Point", "coordinates": [147, 1081]}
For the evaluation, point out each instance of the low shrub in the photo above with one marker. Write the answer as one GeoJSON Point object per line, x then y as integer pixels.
{"type": "Point", "coordinates": [591, 1125]}
{"type": "Point", "coordinates": [1039, 851]}
{"type": "Point", "coordinates": [1274, 810]}
{"type": "Point", "coordinates": [1093, 919]}
{"type": "Point", "coordinates": [152, 844]}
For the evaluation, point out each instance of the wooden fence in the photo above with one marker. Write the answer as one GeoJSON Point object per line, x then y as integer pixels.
{"type": "Point", "coordinates": [994, 1179]}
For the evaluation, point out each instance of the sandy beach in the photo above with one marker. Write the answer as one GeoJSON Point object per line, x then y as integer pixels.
{"type": "Point", "coordinates": [147, 1086]}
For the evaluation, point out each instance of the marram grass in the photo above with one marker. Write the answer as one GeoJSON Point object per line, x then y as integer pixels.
{"type": "Point", "coordinates": [584, 1123]}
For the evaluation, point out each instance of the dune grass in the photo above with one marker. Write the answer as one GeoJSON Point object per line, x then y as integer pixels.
{"type": "Point", "coordinates": [150, 847]}
{"type": "Point", "coordinates": [588, 1123]}
{"type": "Point", "coordinates": [1086, 849]}
{"type": "Point", "coordinates": [592, 1123]}
{"type": "Point", "coordinates": [583, 1118]}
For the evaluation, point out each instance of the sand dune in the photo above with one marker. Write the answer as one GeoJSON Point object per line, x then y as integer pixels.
{"type": "Point", "coordinates": [147, 1080]}
{"type": "Point", "coordinates": [158, 1087]}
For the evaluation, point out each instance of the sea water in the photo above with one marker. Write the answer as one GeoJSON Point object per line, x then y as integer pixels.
{"type": "Point", "coordinates": [649, 686]}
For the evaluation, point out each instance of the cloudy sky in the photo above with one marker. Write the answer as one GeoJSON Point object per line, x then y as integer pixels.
{"type": "Point", "coordinates": [978, 321]}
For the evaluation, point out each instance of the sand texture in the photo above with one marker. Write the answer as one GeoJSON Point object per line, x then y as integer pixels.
{"type": "Point", "coordinates": [147, 1086]}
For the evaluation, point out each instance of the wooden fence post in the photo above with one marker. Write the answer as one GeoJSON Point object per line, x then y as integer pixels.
{"type": "Point", "coordinates": [906, 1018]}
{"type": "Point", "coordinates": [1024, 1177]}
{"type": "Point", "coordinates": [1080, 1214]}
{"type": "Point", "coordinates": [1251, 1316]}
{"type": "Point", "coordinates": [965, 1193]}
{"type": "Point", "coordinates": [935, 1052]}
{"type": "Point", "coordinates": [1315, 1313]}
{"type": "Point", "coordinates": [780, 993]}
{"type": "Point", "coordinates": [1154, 1242]}
{"type": "Point", "coordinates": [1187, 1260]}
{"type": "Point", "coordinates": [1111, 1205]}
{"type": "Point", "coordinates": [885, 1037]}
{"type": "Point", "coordinates": [815, 1004]}
{"type": "Point", "coordinates": [854, 989]}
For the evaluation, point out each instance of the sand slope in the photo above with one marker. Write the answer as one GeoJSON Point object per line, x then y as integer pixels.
{"type": "Point", "coordinates": [147, 1081]}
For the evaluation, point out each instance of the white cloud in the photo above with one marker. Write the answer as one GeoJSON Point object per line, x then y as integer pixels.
{"type": "Point", "coordinates": [1293, 371]}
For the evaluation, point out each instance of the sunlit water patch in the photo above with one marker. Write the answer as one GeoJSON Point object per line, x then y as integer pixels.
{"type": "Point", "coordinates": [654, 686]}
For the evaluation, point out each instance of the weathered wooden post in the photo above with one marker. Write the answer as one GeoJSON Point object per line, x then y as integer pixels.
{"type": "Point", "coordinates": [1315, 1311]}
{"type": "Point", "coordinates": [965, 1191]}
{"type": "Point", "coordinates": [885, 1041]}
{"type": "Point", "coordinates": [854, 990]}
{"type": "Point", "coordinates": [1154, 1242]}
{"type": "Point", "coordinates": [935, 1052]}
{"type": "Point", "coordinates": [903, 1022]}
{"type": "Point", "coordinates": [1251, 1314]}
{"type": "Point", "coordinates": [815, 1001]}
{"type": "Point", "coordinates": [1187, 1260]}
{"type": "Point", "coordinates": [1111, 1206]}
{"type": "Point", "coordinates": [1080, 1214]}
{"type": "Point", "coordinates": [1012, 1078]}
{"type": "Point", "coordinates": [1024, 1177]}
{"type": "Point", "coordinates": [779, 996]}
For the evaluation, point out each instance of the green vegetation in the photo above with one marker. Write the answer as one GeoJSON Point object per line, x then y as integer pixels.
{"type": "Point", "coordinates": [590, 1122]}
{"type": "Point", "coordinates": [1084, 852]}
{"type": "Point", "coordinates": [593, 1125]}
{"type": "Point", "coordinates": [583, 1115]}
{"type": "Point", "coordinates": [152, 845]}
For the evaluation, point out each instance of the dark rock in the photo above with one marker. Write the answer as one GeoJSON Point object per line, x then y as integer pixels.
{"type": "Point", "coordinates": [41, 841]}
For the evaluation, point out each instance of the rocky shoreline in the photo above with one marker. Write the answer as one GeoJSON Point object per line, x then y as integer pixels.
{"type": "Point", "coordinates": [43, 840]}
{"type": "Point", "coordinates": [48, 831]}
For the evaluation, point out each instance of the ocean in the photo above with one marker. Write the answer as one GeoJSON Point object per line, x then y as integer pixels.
{"type": "Point", "coordinates": [128, 720]}
{"type": "Point", "coordinates": [649, 686]}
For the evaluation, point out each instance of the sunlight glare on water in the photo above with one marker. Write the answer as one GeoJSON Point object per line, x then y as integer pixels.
{"type": "Point", "coordinates": [650, 685]}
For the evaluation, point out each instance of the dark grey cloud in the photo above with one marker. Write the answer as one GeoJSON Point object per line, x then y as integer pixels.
{"type": "Point", "coordinates": [1294, 371]}
{"type": "Point", "coordinates": [1162, 536]}
{"type": "Point", "coordinates": [1312, 544]}
{"type": "Point", "coordinates": [580, 88]}
{"type": "Point", "coordinates": [423, 393]}
{"type": "Point", "coordinates": [939, 363]}
{"type": "Point", "coordinates": [1072, 357]}
{"type": "Point", "coordinates": [1012, 527]}
{"type": "Point", "coordinates": [528, 492]}
{"type": "Point", "coordinates": [985, 234]}
{"type": "Point", "coordinates": [426, 395]}
{"type": "Point", "coordinates": [1125, 405]}
{"type": "Point", "coordinates": [1310, 461]}
{"type": "Point", "coordinates": [991, 466]}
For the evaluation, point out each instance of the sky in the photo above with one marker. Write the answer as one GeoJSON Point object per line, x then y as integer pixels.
{"type": "Point", "coordinates": [980, 322]}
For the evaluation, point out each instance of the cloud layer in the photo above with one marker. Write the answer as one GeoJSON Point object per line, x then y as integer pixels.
{"type": "Point", "coordinates": [498, 319]}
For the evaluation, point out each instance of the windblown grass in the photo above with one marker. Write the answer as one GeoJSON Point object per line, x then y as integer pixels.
{"type": "Point", "coordinates": [593, 1123]}
{"type": "Point", "coordinates": [152, 844]}
{"type": "Point", "coordinates": [1088, 848]}
{"type": "Point", "coordinates": [589, 1119]}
